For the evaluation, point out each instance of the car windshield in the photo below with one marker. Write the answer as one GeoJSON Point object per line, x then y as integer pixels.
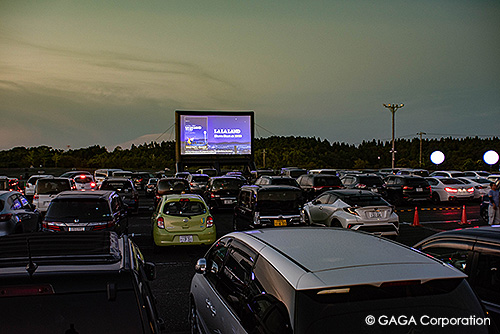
{"type": "Point", "coordinates": [119, 186]}
{"type": "Point", "coordinates": [51, 186]}
{"type": "Point", "coordinates": [229, 184]}
{"type": "Point", "coordinates": [83, 209]}
{"type": "Point", "coordinates": [327, 181]}
{"type": "Point", "coordinates": [482, 181]}
{"type": "Point", "coordinates": [346, 309]}
{"type": "Point", "coordinates": [371, 181]}
{"type": "Point", "coordinates": [365, 200]}
{"type": "Point", "coordinates": [200, 178]}
{"type": "Point", "coordinates": [184, 208]}
{"type": "Point", "coordinates": [279, 202]}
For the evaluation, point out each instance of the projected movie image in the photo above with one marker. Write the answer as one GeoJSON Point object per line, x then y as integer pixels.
{"type": "Point", "coordinates": [215, 134]}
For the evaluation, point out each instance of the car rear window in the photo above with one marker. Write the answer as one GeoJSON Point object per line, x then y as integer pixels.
{"type": "Point", "coordinates": [83, 209]}
{"type": "Point", "coordinates": [416, 182]}
{"type": "Point", "coordinates": [347, 310]}
{"type": "Point", "coordinates": [327, 181]}
{"type": "Point", "coordinates": [200, 178]}
{"type": "Point", "coordinates": [279, 195]}
{"type": "Point", "coordinates": [451, 181]}
{"type": "Point", "coordinates": [83, 179]}
{"type": "Point", "coordinates": [230, 184]}
{"type": "Point", "coordinates": [184, 208]}
{"type": "Point", "coordinates": [4, 185]}
{"type": "Point", "coordinates": [119, 186]}
{"type": "Point", "coordinates": [365, 200]}
{"type": "Point", "coordinates": [285, 181]}
{"type": "Point", "coordinates": [51, 186]}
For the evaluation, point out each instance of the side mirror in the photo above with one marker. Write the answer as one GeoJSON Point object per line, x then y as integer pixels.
{"type": "Point", "coordinates": [150, 270]}
{"type": "Point", "coordinates": [201, 266]}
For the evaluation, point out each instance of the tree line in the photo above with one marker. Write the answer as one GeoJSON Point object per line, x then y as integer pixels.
{"type": "Point", "coordinates": [271, 152]}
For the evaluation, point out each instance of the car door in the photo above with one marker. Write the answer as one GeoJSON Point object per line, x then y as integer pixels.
{"type": "Point", "coordinates": [28, 218]}
{"type": "Point", "coordinates": [318, 210]}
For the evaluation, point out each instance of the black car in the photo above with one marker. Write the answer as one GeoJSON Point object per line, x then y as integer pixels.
{"type": "Point", "coordinates": [222, 192]}
{"type": "Point", "coordinates": [125, 188]}
{"type": "Point", "coordinates": [171, 185]}
{"type": "Point", "coordinates": [276, 180]}
{"type": "Point", "coordinates": [314, 184]}
{"type": "Point", "coordinates": [76, 211]}
{"type": "Point", "coordinates": [17, 215]}
{"type": "Point", "coordinates": [87, 282]}
{"type": "Point", "coordinates": [268, 206]}
{"type": "Point", "coordinates": [140, 179]}
{"type": "Point", "coordinates": [476, 252]}
{"type": "Point", "coordinates": [404, 188]}
{"type": "Point", "coordinates": [371, 182]}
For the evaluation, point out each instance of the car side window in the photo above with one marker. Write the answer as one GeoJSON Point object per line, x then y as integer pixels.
{"type": "Point", "coordinates": [24, 202]}
{"type": "Point", "coordinates": [15, 203]}
{"type": "Point", "coordinates": [452, 256]}
{"type": "Point", "coordinates": [390, 181]}
{"type": "Point", "coordinates": [487, 277]}
{"type": "Point", "coordinates": [215, 260]}
{"type": "Point", "coordinates": [323, 199]}
{"type": "Point", "coordinates": [115, 204]}
{"type": "Point", "coordinates": [244, 198]}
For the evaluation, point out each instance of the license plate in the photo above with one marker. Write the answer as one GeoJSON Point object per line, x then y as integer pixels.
{"type": "Point", "coordinates": [420, 189]}
{"type": "Point", "coordinates": [228, 201]}
{"type": "Point", "coordinates": [375, 214]}
{"type": "Point", "coordinates": [185, 238]}
{"type": "Point", "coordinates": [76, 229]}
{"type": "Point", "coordinates": [280, 222]}
{"type": "Point", "coordinates": [375, 190]}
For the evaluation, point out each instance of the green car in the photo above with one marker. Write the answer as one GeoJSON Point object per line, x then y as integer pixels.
{"type": "Point", "coordinates": [182, 219]}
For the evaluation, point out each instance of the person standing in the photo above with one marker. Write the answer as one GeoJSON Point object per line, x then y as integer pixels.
{"type": "Point", "coordinates": [494, 207]}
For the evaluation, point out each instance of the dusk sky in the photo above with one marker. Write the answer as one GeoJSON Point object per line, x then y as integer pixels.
{"type": "Point", "coordinates": [83, 73]}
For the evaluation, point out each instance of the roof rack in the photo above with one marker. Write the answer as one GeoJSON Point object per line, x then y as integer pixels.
{"type": "Point", "coordinates": [60, 248]}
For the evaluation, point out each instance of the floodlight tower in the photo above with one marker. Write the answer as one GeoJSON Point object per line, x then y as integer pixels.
{"type": "Point", "coordinates": [393, 108]}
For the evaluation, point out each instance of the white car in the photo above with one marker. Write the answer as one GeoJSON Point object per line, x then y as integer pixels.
{"type": "Point", "coordinates": [48, 188]}
{"type": "Point", "coordinates": [447, 173]}
{"type": "Point", "coordinates": [355, 209]}
{"type": "Point", "coordinates": [494, 177]}
{"type": "Point", "coordinates": [481, 185]}
{"type": "Point", "coordinates": [444, 189]}
{"type": "Point", "coordinates": [476, 173]}
{"type": "Point", "coordinates": [29, 190]}
{"type": "Point", "coordinates": [85, 182]}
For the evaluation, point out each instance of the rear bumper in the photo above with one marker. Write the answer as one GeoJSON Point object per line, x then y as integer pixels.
{"type": "Point", "coordinates": [164, 238]}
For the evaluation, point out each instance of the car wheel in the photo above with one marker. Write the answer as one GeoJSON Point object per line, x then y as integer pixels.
{"type": "Point", "coordinates": [335, 223]}
{"type": "Point", "coordinates": [435, 198]}
{"type": "Point", "coordinates": [193, 318]}
{"type": "Point", "coordinates": [484, 214]}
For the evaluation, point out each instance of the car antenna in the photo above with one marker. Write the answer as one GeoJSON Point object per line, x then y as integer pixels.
{"type": "Point", "coordinates": [31, 267]}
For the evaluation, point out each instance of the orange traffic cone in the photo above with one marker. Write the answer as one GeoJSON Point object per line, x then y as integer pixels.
{"type": "Point", "coordinates": [464, 217]}
{"type": "Point", "coordinates": [416, 221]}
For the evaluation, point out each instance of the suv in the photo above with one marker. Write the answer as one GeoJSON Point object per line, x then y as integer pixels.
{"type": "Point", "coordinates": [319, 280]}
{"type": "Point", "coordinates": [48, 188]}
{"type": "Point", "coordinates": [222, 192]}
{"type": "Point", "coordinates": [198, 182]}
{"type": "Point", "coordinates": [475, 251]}
{"type": "Point", "coordinates": [17, 215]}
{"type": "Point", "coordinates": [268, 206]}
{"type": "Point", "coordinates": [72, 211]}
{"type": "Point", "coordinates": [170, 185]}
{"type": "Point", "coordinates": [314, 184]}
{"type": "Point", "coordinates": [402, 188]}
{"type": "Point", "coordinates": [76, 283]}
{"type": "Point", "coordinates": [371, 182]}
{"type": "Point", "coordinates": [126, 189]}
{"type": "Point", "coordinates": [277, 180]}
{"type": "Point", "coordinates": [29, 188]}
{"type": "Point", "coordinates": [140, 179]}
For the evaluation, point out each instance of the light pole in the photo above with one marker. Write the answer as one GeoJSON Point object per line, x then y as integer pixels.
{"type": "Point", "coordinates": [420, 134]}
{"type": "Point", "coordinates": [393, 108]}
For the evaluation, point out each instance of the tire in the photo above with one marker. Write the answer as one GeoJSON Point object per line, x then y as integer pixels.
{"type": "Point", "coordinates": [194, 326]}
{"type": "Point", "coordinates": [484, 214]}
{"type": "Point", "coordinates": [335, 223]}
{"type": "Point", "coordinates": [435, 198]}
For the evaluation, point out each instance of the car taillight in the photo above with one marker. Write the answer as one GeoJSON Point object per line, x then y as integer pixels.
{"type": "Point", "coordinates": [104, 225]}
{"type": "Point", "coordinates": [51, 226]}
{"type": "Point", "coordinates": [407, 188]}
{"type": "Point", "coordinates": [93, 184]}
{"type": "Point", "coordinates": [361, 185]}
{"type": "Point", "coordinates": [5, 217]}
{"type": "Point", "coordinates": [471, 189]}
{"type": "Point", "coordinates": [352, 211]}
{"type": "Point", "coordinates": [160, 222]}
{"type": "Point", "coordinates": [210, 221]}
{"type": "Point", "coordinates": [451, 190]}
{"type": "Point", "coordinates": [35, 197]}
{"type": "Point", "coordinates": [26, 290]}
{"type": "Point", "coordinates": [212, 195]}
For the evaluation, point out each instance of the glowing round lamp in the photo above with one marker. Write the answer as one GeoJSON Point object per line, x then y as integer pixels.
{"type": "Point", "coordinates": [437, 157]}
{"type": "Point", "coordinates": [490, 157]}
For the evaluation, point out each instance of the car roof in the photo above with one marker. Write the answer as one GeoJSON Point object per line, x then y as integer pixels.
{"type": "Point", "coordinates": [312, 257]}
{"type": "Point", "coordinates": [177, 197]}
{"type": "Point", "coordinates": [85, 194]}
{"type": "Point", "coordinates": [117, 178]}
{"type": "Point", "coordinates": [271, 187]}
{"type": "Point", "coordinates": [490, 234]}
{"type": "Point", "coordinates": [351, 192]}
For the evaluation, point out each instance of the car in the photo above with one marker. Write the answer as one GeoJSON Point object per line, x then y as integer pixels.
{"type": "Point", "coordinates": [277, 180]}
{"type": "Point", "coordinates": [85, 182]}
{"type": "Point", "coordinates": [444, 173]}
{"type": "Point", "coordinates": [17, 215]}
{"type": "Point", "coordinates": [222, 192]}
{"type": "Point", "coordinates": [208, 171]}
{"type": "Point", "coordinates": [293, 172]}
{"type": "Point", "coordinates": [268, 206]}
{"type": "Point", "coordinates": [102, 174]}
{"type": "Point", "coordinates": [494, 177]}
{"type": "Point", "coordinates": [480, 190]}
{"type": "Point", "coordinates": [444, 189]}
{"type": "Point", "coordinates": [198, 182]}
{"type": "Point", "coordinates": [125, 188]}
{"type": "Point", "coordinates": [182, 175]}
{"type": "Point", "coordinates": [11, 184]}
{"type": "Point", "coordinates": [314, 184]}
{"type": "Point", "coordinates": [140, 179]}
{"type": "Point", "coordinates": [320, 280]}
{"type": "Point", "coordinates": [29, 188]}
{"type": "Point", "coordinates": [151, 187]}
{"type": "Point", "coordinates": [255, 174]}
{"type": "Point", "coordinates": [476, 252]}
{"type": "Point", "coordinates": [170, 185]}
{"type": "Point", "coordinates": [413, 172]}
{"type": "Point", "coordinates": [182, 219]}
{"type": "Point", "coordinates": [71, 174]}
{"type": "Point", "coordinates": [361, 210]}
{"type": "Point", "coordinates": [48, 188]}
{"type": "Point", "coordinates": [403, 188]}
{"type": "Point", "coordinates": [87, 282]}
{"type": "Point", "coordinates": [476, 173]}
{"type": "Point", "coordinates": [323, 171]}
{"type": "Point", "coordinates": [237, 174]}
{"type": "Point", "coordinates": [76, 211]}
{"type": "Point", "coordinates": [371, 182]}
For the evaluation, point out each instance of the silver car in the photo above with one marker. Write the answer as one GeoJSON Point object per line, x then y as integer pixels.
{"type": "Point", "coordinates": [353, 209]}
{"type": "Point", "coordinates": [321, 280]}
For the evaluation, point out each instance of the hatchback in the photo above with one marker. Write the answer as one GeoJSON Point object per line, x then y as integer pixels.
{"type": "Point", "coordinates": [182, 219]}
{"type": "Point", "coordinates": [125, 188]}
{"type": "Point", "coordinates": [48, 188]}
{"type": "Point", "coordinates": [85, 182]}
{"type": "Point", "coordinates": [17, 215]}
{"type": "Point", "coordinates": [321, 280]}
{"type": "Point", "coordinates": [360, 210]}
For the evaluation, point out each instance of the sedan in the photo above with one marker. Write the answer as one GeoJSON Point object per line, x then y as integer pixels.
{"type": "Point", "coordinates": [17, 215]}
{"type": "Point", "coordinates": [182, 219]}
{"type": "Point", "coordinates": [444, 189]}
{"type": "Point", "coordinates": [354, 209]}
